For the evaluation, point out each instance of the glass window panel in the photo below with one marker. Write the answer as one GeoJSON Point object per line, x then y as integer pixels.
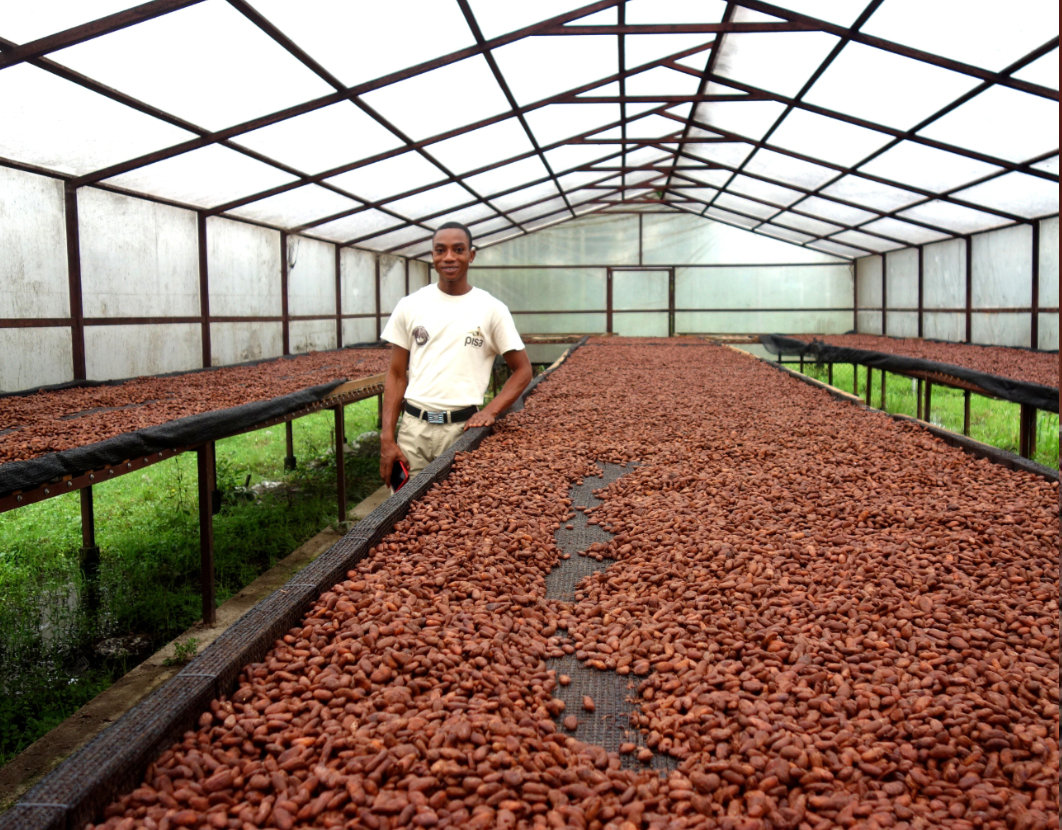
{"type": "Point", "coordinates": [1048, 166]}
{"type": "Point", "coordinates": [323, 139]}
{"type": "Point", "coordinates": [927, 167]}
{"type": "Point", "coordinates": [642, 49]}
{"type": "Point", "coordinates": [953, 217]}
{"type": "Point", "coordinates": [23, 22]}
{"type": "Point", "coordinates": [511, 175]}
{"type": "Point", "coordinates": [466, 216]}
{"type": "Point", "coordinates": [340, 34]}
{"type": "Point", "coordinates": [776, 61]}
{"type": "Point", "coordinates": [422, 106]}
{"type": "Point", "coordinates": [238, 73]}
{"type": "Point", "coordinates": [729, 200]}
{"type": "Point", "coordinates": [835, 211]}
{"type": "Point", "coordinates": [914, 234]}
{"type": "Point", "coordinates": [541, 209]}
{"type": "Point", "coordinates": [511, 201]}
{"type": "Point", "coordinates": [652, 126]}
{"type": "Point", "coordinates": [539, 67]}
{"type": "Point", "coordinates": [209, 176]}
{"type": "Point", "coordinates": [865, 240]}
{"type": "Point", "coordinates": [559, 121]}
{"type": "Point", "coordinates": [297, 207]}
{"type": "Point", "coordinates": [784, 233]}
{"type": "Point", "coordinates": [432, 201]}
{"type": "Point", "coordinates": [764, 190]}
{"type": "Point", "coordinates": [355, 225]}
{"type": "Point", "coordinates": [819, 136]}
{"type": "Point", "coordinates": [661, 81]}
{"type": "Point", "coordinates": [482, 147]}
{"type": "Point", "coordinates": [674, 11]}
{"type": "Point", "coordinates": [395, 239]}
{"type": "Point", "coordinates": [836, 248]}
{"type": "Point", "coordinates": [789, 170]}
{"type": "Point", "coordinates": [986, 123]}
{"type": "Point", "coordinates": [749, 119]}
{"type": "Point", "coordinates": [731, 218]}
{"type": "Point", "coordinates": [979, 35]}
{"type": "Point", "coordinates": [1017, 193]}
{"type": "Point", "coordinates": [841, 12]}
{"type": "Point", "coordinates": [885, 88]}
{"type": "Point", "coordinates": [576, 155]}
{"type": "Point", "coordinates": [806, 223]}
{"type": "Point", "coordinates": [870, 193]}
{"type": "Point", "coordinates": [1042, 71]}
{"type": "Point", "coordinates": [496, 18]}
{"type": "Point", "coordinates": [106, 132]}
{"type": "Point", "coordinates": [389, 177]}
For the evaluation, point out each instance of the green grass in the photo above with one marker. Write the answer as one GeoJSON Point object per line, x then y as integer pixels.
{"type": "Point", "coordinates": [992, 421]}
{"type": "Point", "coordinates": [147, 529]}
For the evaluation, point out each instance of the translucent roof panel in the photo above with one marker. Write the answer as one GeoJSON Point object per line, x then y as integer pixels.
{"type": "Point", "coordinates": [1017, 193]}
{"type": "Point", "coordinates": [732, 218]}
{"type": "Point", "coordinates": [107, 132]}
{"type": "Point", "coordinates": [986, 123]}
{"type": "Point", "coordinates": [438, 101]}
{"type": "Point", "coordinates": [980, 35]}
{"type": "Point", "coordinates": [784, 233]}
{"type": "Point", "coordinates": [955, 218]}
{"type": "Point", "coordinates": [776, 61]}
{"type": "Point", "coordinates": [872, 194]}
{"type": "Point", "coordinates": [806, 223]}
{"type": "Point", "coordinates": [1048, 165]}
{"type": "Point", "coordinates": [501, 18]}
{"type": "Point", "coordinates": [731, 154]}
{"type": "Point", "coordinates": [336, 33]}
{"type": "Point", "coordinates": [674, 11]}
{"type": "Point", "coordinates": [576, 155]}
{"type": "Point", "coordinates": [323, 139]}
{"type": "Point", "coordinates": [836, 248]}
{"type": "Point", "coordinates": [395, 239]}
{"type": "Point", "coordinates": [640, 50]}
{"type": "Point", "coordinates": [834, 211]}
{"type": "Point", "coordinates": [238, 73]}
{"type": "Point", "coordinates": [913, 234]}
{"type": "Point", "coordinates": [829, 139]}
{"type": "Point", "coordinates": [748, 119]}
{"type": "Point", "coordinates": [541, 209]}
{"type": "Point", "coordinates": [297, 207]}
{"type": "Point", "coordinates": [764, 190]}
{"type": "Point", "coordinates": [491, 226]}
{"type": "Point", "coordinates": [789, 170]}
{"type": "Point", "coordinates": [700, 194]}
{"type": "Point", "coordinates": [511, 175]}
{"type": "Point", "coordinates": [738, 203]}
{"type": "Point", "coordinates": [886, 88]}
{"type": "Point", "coordinates": [389, 177]}
{"type": "Point", "coordinates": [212, 175]}
{"type": "Point", "coordinates": [865, 240]}
{"type": "Point", "coordinates": [571, 181]}
{"type": "Point", "coordinates": [446, 197]}
{"type": "Point", "coordinates": [521, 198]}
{"type": "Point", "coordinates": [555, 122]}
{"type": "Point", "coordinates": [466, 216]}
{"type": "Point", "coordinates": [713, 177]}
{"type": "Point", "coordinates": [23, 22]}
{"type": "Point", "coordinates": [479, 148]}
{"type": "Point", "coordinates": [1042, 71]}
{"type": "Point", "coordinates": [547, 221]}
{"type": "Point", "coordinates": [539, 67]}
{"type": "Point", "coordinates": [355, 225]}
{"type": "Point", "coordinates": [660, 81]}
{"type": "Point", "coordinates": [927, 167]}
{"type": "Point", "coordinates": [646, 155]}
{"type": "Point", "coordinates": [652, 126]}
{"type": "Point", "coordinates": [840, 12]}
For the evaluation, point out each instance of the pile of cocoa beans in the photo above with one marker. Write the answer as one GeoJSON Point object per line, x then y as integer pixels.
{"type": "Point", "coordinates": [830, 619]}
{"type": "Point", "coordinates": [52, 421]}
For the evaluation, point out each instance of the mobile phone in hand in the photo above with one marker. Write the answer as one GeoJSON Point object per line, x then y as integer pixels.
{"type": "Point", "coordinates": [399, 475]}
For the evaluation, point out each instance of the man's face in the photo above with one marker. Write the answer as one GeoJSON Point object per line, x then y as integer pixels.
{"type": "Point", "coordinates": [451, 254]}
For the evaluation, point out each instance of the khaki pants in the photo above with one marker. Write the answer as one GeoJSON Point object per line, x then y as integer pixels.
{"type": "Point", "coordinates": [423, 442]}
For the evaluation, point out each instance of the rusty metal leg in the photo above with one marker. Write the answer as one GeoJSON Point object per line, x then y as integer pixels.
{"type": "Point", "coordinates": [929, 400]}
{"type": "Point", "coordinates": [870, 383]}
{"type": "Point", "coordinates": [966, 412]}
{"type": "Point", "coordinates": [289, 446]}
{"type": "Point", "coordinates": [829, 373]}
{"type": "Point", "coordinates": [205, 468]}
{"type": "Point", "coordinates": [341, 474]}
{"type": "Point", "coordinates": [884, 408]}
{"type": "Point", "coordinates": [855, 379]}
{"type": "Point", "coordinates": [90, 552]}
{"type": "Point", "coordinates": [801, 363]}
{"type": "Point", "coordinates": [379, 411]}
{"type": "Point", "coordinates": [1027, 431]}
{"type": "Point", "coordinates": [918, 400]}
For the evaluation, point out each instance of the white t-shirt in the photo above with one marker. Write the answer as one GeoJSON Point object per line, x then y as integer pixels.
{"type": "Point", "coordinates": [452, 342]}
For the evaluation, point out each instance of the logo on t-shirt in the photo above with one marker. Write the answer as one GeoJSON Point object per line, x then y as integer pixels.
{"type": "Point", "coordinates": [420, 335]}
{"type": "Point", "coordinates": [475, 338]}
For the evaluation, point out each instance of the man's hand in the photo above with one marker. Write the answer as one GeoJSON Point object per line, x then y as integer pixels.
{"type": "Point", "coordinates": [389, 454]}
{"type": "Point", "coordinates": [483, 418]}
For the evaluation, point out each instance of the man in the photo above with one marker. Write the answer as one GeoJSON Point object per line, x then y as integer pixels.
{"type": "Point", "coordinates": [446, 336]}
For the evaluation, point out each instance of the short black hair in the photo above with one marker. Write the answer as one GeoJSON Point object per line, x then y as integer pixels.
{"type": "Point", "coordinates": [456, 226]}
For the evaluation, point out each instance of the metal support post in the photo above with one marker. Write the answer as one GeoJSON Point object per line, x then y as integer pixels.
{"type": "Point", "coordinates": [829, 373]}
{"type": "Point", "coordinates": [379, 411]}
{"type": "Point", "coordinates": [1027, 431]}
{"type": "Point", "coordinates": [966, 412]}
{"type": "Point", "coordinates": [341, 474]}
{"type": "Point", "coordinates": [289, 445]}
{"type": "Point", "coordinates": [90, 552]}
{"type": "Point", "coordinates": [929, 400]}
{"type": "Point", "coordinates": [801, 358]}
{"type": "Point", "coordinates": [884, 408]}
{"type": "Point", "coordinates": [205, 468]}
{"type": "Point", "coordinates": [918, 399]}
{"type": "Point", "coordinates": [870, 383]}
{"type": "Point", "coordinates": [855, 379]}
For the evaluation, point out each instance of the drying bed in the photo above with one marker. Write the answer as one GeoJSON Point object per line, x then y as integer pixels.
{"type": "Point", "coordinates": [819, 615]}
{"type": "Point", "coordinates": [53, 420]}
{"type": "Point", "coordinates": [1018, 364]}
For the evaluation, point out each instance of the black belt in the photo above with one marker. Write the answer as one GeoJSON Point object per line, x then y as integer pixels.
{"type": "Point", "coordinates": [457, 416]}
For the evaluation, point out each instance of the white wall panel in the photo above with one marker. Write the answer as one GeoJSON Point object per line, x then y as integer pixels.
{"type": "Point", "coordinates": [901, 279]}
{"type": "Point", "coordinates": [560, 323]}
{"type": "Point", "coordinates": [868, 322]}
{"type": "Point", "coordinates": [311, 335]}
{"type": "Point", "coordinates": [944, 325]}
{"type": "Point", "coordinates": [240, 342]}
{"type": "Point", "coordinates": [763, 322]}
{"type": "Point", "coordinates": [1001, 329]}
{"type": "Point", "coordinates": [33, 277]}
{"type": "Point", "coordinates": [544, 289]}
{"type": "Point", "coordinates": [944, 276]}
{"type": "Point", "coordinates": [1002, 271]}
{"type": "Point", "coordinates": [1048, 263]}
{"type": "Point", "coordinates": [629, 324]}
{"type": "Point", "coordinates": [358, 277]}
{"type": "Point", "coordinates": [680, 238]}
{"type": "Point", "coordinates": [361, 330]}
{"type": "Point", "coordinates": [35, 357]}
{"type": "Point", "coordinates": [868, 281]}
{"type": "Point", "coordinates": [592, 240]}
{"type": "Point", "coordinates": [244, 269]}
{"type": "Point", "coordinates": [115, 352]}
{"type": "Point", "coordinates": [418, 275]}
{"type": "Point", "coordinates": [311, 277]}
{"type": "Point", "coordinates": [392, 281]}
{"type": "Point", "coordinates": [1048, 332]}
{"type": "Point", "coordinates": [902, 323]}
{"type": "Point", "coordinates": [773, 286]}
{"type": "Point", "coordinates": [138, 258]}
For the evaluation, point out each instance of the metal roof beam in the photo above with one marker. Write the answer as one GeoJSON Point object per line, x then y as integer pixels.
{"type": "Point", "coordinates": [680, 28]}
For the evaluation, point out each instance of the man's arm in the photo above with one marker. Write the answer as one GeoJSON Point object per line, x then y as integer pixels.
{"type": "Point", "coordinates": [520, 367]}
{"type": "Point", "coordinates": [394, 394]}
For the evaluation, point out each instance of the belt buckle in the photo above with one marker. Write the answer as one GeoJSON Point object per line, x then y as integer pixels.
{"type": "Point", "coordinates": [436, 417]}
